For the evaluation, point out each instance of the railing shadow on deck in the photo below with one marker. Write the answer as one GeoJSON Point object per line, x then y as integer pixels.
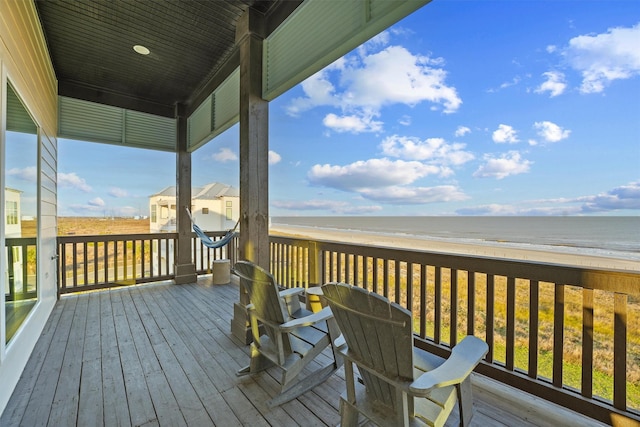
{"type": "Point", "coordinates": [570, 335]}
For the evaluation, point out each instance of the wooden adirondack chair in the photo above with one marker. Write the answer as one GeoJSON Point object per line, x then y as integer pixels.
{"type": "Point", "coordinates": [285, 334]}
{"type": "Point", "coordinates": [401, 384]}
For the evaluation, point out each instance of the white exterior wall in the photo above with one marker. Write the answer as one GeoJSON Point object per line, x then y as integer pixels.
{"type": "Point", "coordinates": [25, 62]}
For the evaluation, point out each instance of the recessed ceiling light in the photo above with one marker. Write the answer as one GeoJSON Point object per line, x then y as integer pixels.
{"type": "Point", "coordinates": [141, 49]}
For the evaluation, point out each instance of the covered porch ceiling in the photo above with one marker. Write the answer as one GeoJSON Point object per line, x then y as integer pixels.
{"type": "Point", "coordinates": [110, 93]}
{"type": "Point", "coordinates": [191, 48]}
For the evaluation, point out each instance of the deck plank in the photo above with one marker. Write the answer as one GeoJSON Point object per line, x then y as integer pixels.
{"type": "Point", "coordinates": [19, 402]}
{"type": "Point", "coordinates": [116, 409]}
{"type": "Point", "coordinates": [163, 355]}
{"type": "Point", "coordinates": [41, 400]}
{"type": "Point", "coordinates": [64, 410]}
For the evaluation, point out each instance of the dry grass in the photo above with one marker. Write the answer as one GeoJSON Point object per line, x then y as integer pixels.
{"type": "Point", "coordinates": [81, 226]}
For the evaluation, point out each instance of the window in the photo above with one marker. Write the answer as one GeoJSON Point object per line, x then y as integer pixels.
{"type": "Point", "coordinates": [154, 213]}
{"type": "Point", "coordinates": [205, 211]}
{"type": "Point", "coordinates": [229, 210]}
{"type": "Point", "coordinates": [12, 212]}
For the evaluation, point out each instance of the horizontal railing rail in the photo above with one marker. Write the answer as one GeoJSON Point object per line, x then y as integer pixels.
{"type": "Point", "coordinates": [567, 334]}
{"type": "Point", "coordinates": [103, 261]}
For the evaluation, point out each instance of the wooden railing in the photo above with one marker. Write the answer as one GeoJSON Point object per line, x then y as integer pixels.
{"type": "Point", "coordinates": [567, 334]}
{"type": "Point", "coordinates": [97, 262]}
{"type": "Point", "coordinates": [20, 255]}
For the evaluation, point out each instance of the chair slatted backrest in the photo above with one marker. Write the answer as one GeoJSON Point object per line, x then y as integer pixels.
{"type": "Point", "coordinates": [263, 293]}
{"type": "Point", "coordinates": [378, 334]}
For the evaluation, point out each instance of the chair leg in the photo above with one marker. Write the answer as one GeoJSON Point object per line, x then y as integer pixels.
{"type": "Point", "coordinates": [258, 363]}
{"type": "Point", "coordinates": [348, 414]}
{"type": "Point", "coordinates": [465, 401]}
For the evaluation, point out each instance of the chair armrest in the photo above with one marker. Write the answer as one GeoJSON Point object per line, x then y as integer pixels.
{"type": "Point", "coordinates": [464, 358]}
{"type": "Point", "coordinates": [291, 299]}
{"type": "Point", "coordinates": [290, 292]}
{"type": "Point", "coordinates": [312, 319]}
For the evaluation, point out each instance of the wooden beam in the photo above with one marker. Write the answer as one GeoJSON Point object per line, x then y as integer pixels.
{"type": "Point", "coordinates": [185, 270]}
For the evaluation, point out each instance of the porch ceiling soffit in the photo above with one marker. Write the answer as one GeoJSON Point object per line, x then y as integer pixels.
{"type": "Point", "coordinates": [194, 60]}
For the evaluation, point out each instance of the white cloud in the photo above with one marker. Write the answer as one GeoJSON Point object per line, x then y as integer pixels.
{"type": "Point", "coordinates": [352, 123]}
{"type": "Point", "coordinates": [462, 131]}
{"type": "Point", "coordinates": [29, 173]}
{"type": "Point", "coordinates": [118, 192]}
{"type": "Point", "coordinates": [505, 134]}
{"type": "Point", "coordinates": [395, 75]}
{"type": "Point", "coordinates": [623, 197]}
{"type": "Point", "coordinates": [372, 173]}
{"type": "Point", "coordinates": [551, 132]}
{"type": "Point", "coordinates": [414, 195]}
{"type": "Point", "coordinates": [501, 167]}
{"type": "Point", "coordinates": [619, 198]}
{"type": "Point", "coordinates": [555, 84]}
{"type": "Point", "coordinates": [318, 91]}
{"type": "Point", "coordinates": [97, 202]}
{"type": "Point", "coordinates": [72, 180]}
{"type": "Point", "coordinates": [605, 57]}
{"type": "Point", "coordinates": [361, 84]}
{"type": "Point", "coordinates": [274, 157]}
{"type": "Point", "coordinates": [435, 150]}
{"type": "Point", "coordinates": [405, 120]}
{"type": "Point", "coordinates": [225, 155]}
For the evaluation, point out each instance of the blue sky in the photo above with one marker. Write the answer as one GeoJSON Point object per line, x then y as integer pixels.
{"type": "Point", "coordinates": [462, 108]}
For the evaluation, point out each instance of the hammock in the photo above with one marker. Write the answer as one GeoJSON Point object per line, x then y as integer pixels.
{"type": "Point", "coordinates": [208, 241]}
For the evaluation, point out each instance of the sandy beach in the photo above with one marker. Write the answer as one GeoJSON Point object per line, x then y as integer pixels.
{"type": "Point", "coordinates": [562, 256]}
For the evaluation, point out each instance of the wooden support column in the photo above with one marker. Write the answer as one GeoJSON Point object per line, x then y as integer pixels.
{"type": "Point", "coordinates": [185, 269]}
{"type": "Point", "coordinates": [254, 155]}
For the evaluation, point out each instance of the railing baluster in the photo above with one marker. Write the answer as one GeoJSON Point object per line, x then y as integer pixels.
{"type": "Point", "coordinates": [534, 307]}
{"type": "Point", "coordinates": [620, 351]}
{"type": "Point", "coordinates": [471, 305]}
{"type": "Point", "coordinates": [410, 287]}
{"type": "Point", "coordinates": [511, 323]}
{"type": "Point", "coordinates": [75, 264]}
{"type": "Point", "coordinates": [437, 322]}
{"type": "Point", "coordinates": [423, 300]}
{"type": "Point", "coordinates": [587, 343]}
{"type": "Point", "coordinates": [558, 335]}
{"type": "Point", "coordinates": [491, 303]}
{"type": "Point", "coordinates": [453, 310]}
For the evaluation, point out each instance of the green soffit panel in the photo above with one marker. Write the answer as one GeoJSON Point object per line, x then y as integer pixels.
{"type": "Point", "coordinates": [319, 32]}
{"type": "Point", "coordinates": [92, 122]}
{"type": "Point", "coordinates": [18, 119]}
{"type": "Point", "coordinates": [217, 113]}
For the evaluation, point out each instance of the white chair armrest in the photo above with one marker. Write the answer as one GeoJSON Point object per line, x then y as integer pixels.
{"type": "Point", "coordinates": [312, 319]}
{"type": "Point", "coordinates": [464, 358]}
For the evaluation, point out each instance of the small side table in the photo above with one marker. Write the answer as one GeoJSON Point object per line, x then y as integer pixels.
{"type": "Point", "coordinates": [221, 271]}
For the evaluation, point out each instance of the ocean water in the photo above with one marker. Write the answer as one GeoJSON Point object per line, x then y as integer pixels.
{"type": "Point", "coordinates": [617, 237]}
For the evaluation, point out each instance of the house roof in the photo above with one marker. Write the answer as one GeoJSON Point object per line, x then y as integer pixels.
{"type": "Point", "coordinates": [213, 190]}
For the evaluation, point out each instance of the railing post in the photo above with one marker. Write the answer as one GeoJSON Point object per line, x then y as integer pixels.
{"type": "Point", "coordinates": [315, 265]}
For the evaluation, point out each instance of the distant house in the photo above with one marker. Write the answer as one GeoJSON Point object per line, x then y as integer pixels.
{"type": "Point", "coordinates": [12, 229]}
{"type": "Point", "coordinates": [214, 207]}
{"type": "Point", "coordinates": [12, 220]}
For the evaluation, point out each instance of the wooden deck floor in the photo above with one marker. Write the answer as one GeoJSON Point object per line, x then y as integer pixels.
{"type": "Point", "coordinates": [163, 355]}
